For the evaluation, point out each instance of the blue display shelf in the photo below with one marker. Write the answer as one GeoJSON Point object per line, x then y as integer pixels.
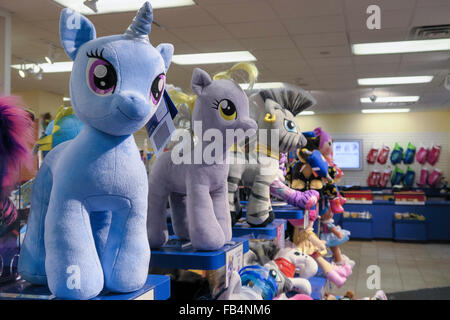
{"type": "Point", "coordinates": [283, 213]}
{"type": "Point", "coordinates": [318, 287]}
{"type": "Point", "coordinates": [359, 228]}
{"type": "Point", "coordinates": [271, 231]}
{"type": "Point", "coordinates": [383, 215]}
{"type": "Point", "coordinates": [410, 230]}
{"type": "Point", "coordinates": [157, 287]}
{"type": "Point", "coordinates": [174, 256]}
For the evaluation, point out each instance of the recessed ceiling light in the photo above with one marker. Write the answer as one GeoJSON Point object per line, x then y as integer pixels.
{"type": "Point", "coordinates": [385, 110]}
{"type": "Point", "coordinates": [263, 85]}
{"type": "Point", "coordinates": [401, 46]}
{"type": "Point", "coordinates": [66, 99]}
{"type": "Point", "coordinates": [65, 66]}
{"type": "Point", "coordinates": [111, 6]}
{"type": "Point", "coordinates": [307, 113]}
{"type": "Point", "coordinates": [391, 99]}
{"type": "Point", "coordinates": [394, 80]}
{"type": "Point", "coordinates": [213, 57]}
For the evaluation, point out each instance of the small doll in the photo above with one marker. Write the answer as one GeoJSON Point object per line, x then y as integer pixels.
{"type": "Point", "coordinates": [334, 173]}
{"type": "Point", "coordinates": [334, 236]}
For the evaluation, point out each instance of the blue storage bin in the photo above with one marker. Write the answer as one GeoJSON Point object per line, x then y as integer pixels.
{"type": "Point", "coordinates": [359, 228]}
{"type": "Point", "coordinates": [410, 230]}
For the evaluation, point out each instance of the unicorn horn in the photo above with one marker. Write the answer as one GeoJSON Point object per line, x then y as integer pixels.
{"type": "Point", "coordinates": [142, 23]}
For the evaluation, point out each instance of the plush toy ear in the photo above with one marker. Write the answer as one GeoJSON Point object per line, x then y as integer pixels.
{"type": "Point", "coordinates": [166, 51]}
{"type": "Point", "coordinates": [75, 30]}
{"type": "Point", "coordinates": [200, 79]}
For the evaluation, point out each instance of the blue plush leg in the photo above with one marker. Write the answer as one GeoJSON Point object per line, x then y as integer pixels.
{"type": "Point", "coordinates": [126, 255]}
{"type": "Point", "coordinates": [156, 218]}
{"type": "Point", "coordinates": [179, 217]}
{"type": "Point", "coordinates": [72, 264]}
{"type": "Point", "coordinates": [32, 252]}
{"type": "Point", "coordinates": [204, 230]}
{"type": "Point", "coordinates": [222, 210]}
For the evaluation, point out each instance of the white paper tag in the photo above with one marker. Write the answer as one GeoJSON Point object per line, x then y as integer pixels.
{"type": "Point", "coordinates": [150, 295]}
{"type": "Point", "coordinates": [234, 262]}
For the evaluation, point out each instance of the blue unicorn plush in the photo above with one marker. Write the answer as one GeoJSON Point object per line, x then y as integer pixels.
{"type": "Point", "coordinates": [87, 226]}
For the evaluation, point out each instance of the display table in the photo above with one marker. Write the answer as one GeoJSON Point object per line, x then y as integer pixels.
{"type": "Point", "coordinates": [271, 231]}
{"type": "Point", "coordinates": [437, 214]}
{"type": "Point", "coordinates": [175, 255]}
{"type": "Point", "coordinates": [157, 287]}
{"type": "Point", "coordinates": [318, 287]}
{"type": "Point", "coordinates": [283, 212]}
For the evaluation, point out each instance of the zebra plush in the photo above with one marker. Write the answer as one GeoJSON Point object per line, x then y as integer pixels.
{"type": "Point", "coordinates": [274, 111]}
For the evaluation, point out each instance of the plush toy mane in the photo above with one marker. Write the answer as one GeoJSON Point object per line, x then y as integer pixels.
{"type": "Point", "coordinates": [16, 136]}
{"type": "Point", "coordinates": [292, 98]}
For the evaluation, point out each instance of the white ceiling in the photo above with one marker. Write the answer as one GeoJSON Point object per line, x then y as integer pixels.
{"type": "Point", "coordinates": [303, 42]}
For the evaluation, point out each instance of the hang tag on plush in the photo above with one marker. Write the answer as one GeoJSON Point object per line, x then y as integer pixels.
{"type": "Point", "coordinates": [160, 126]}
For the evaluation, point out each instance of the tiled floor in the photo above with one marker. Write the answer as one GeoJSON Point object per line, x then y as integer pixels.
{"type": "Point", "coordinates": [403, 266]}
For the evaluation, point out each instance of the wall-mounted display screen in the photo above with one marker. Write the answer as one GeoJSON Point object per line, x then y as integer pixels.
{"type": "Point", "coordinates": [347, 154]}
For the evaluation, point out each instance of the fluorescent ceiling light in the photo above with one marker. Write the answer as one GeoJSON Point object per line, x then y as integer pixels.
{"type": "Point", "coordinates": [307, 113]}
{"type": "Point", "coordinates": [391, 99]}
{"type": "Point", "coordinates": [112, 6]}
{"type": "Point", "coordinates": [401, 46]}
{"type": "Point", "coordinates": [394, 80]}
{"type": "Point", "coordinates": [385, 110]}
{"type": "Point", "coordinates": [66, 99]}
{"type": "Point", "coordinates": [213, 57]}
{"type": "Point", "coordinates": [263, 85]}
{"type": "Point", "coordinates": [65, 66]}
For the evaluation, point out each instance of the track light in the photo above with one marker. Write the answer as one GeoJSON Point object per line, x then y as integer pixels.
{"type": "Point", "coordinates": [49, 60]}
{"type": "Point", "coordinates": [22, 73]}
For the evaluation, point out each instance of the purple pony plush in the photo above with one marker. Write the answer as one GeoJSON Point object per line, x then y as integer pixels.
{"type": "Point", "coordinates": [197, 188]}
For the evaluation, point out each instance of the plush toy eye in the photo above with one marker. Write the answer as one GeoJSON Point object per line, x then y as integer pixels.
{"type": "Point", "coordinates": [227, 109]}
{"type": "Point", "coordinates": [290, 126]}
{"type": "Point", "coordinates": [157, 89]}
{"type": "Point", "coordinates": [101, 76]}
{"type": "Point", "coordinates": [273, 273]}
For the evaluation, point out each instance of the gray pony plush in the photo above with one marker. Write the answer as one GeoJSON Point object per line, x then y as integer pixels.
{"type": "Point", "coordinates": [196, 188]}
{"type": "Point", "coordinates": [272, 110]}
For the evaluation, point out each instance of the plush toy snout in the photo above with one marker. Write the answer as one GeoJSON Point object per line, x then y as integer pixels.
{"type": "Point", "coordinates": [132, 105]}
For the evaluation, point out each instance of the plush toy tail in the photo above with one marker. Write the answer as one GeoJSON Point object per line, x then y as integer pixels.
{"type": "Point", "coordinates": [16, 136]}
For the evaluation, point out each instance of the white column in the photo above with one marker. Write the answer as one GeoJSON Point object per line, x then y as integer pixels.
{"type": "Point", "coordinates": [5, 52]}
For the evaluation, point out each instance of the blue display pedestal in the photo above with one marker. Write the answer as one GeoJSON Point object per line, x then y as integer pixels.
{"type": "Point", "coordinates": [318, 287]}
{"type": "Point", "coordinates": [283, 212]}
{"type": "Point", "coordinates": [157, 287]}
{"type": "Point", "coordinates": [359, 228]}
{"type": "Point", "coordinates": [271, 231]}
{"type": "Point", "coordinates": [176, 256]}
{"type": "Point", "coordinates": [410, 230]}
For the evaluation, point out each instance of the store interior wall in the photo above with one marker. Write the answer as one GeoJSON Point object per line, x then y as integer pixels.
{"type": "Point", "coordinates": [415, 127]}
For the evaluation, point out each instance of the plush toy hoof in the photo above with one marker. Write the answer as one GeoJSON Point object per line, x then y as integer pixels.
{"type": "Point", "coordinates": [265, 223]}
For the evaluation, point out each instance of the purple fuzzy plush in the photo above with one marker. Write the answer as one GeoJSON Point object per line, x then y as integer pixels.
{"type": "Point", "coordinates": [198, 191]}
{"type": "Point", "coordinates": [16, 136]}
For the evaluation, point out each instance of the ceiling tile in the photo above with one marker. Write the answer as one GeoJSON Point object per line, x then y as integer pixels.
{"type": "Point", "coordinates": [382, 35]}
{"type": "Point", "coordinates": [201, 33]}
{"type": "Point", "coordinates": [325, 62]}
{"type": "Point", "coordinates": [305, 8]}
{"type": "Point", "coordinates": [432, 15]}
{"type": "Point", "coordinates": [277, 54]}
{"type": "Point", "coordinates": [256, 29]}
{"type": "Point", "coordinates": [389, 20]}
{"type": "Point", "coordinates": [243, 11]}
{"type": "Point", "coordinates": [280, 42]}
{"type": "Point", "coordinates": [321, 40]}
{"type": "Point", "coordinates": [322, 24]}
{"type": "Point", "coordinates": [188, 16]}
{"type": "Point", "coordinates": [326, 52]}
